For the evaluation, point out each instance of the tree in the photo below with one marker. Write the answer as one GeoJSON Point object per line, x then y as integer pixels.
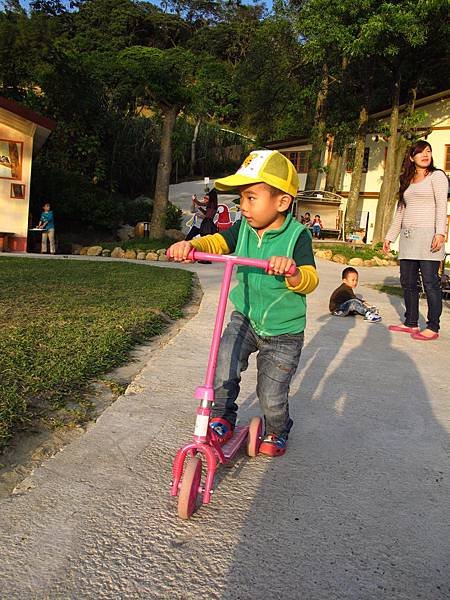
{"type": "Point", "coordinates": [163, 79]}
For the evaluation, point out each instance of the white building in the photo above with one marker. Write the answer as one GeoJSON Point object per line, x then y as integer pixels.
{"type": "Point", "coordinates": [435, 127]}
{"type": "Point", "coordinates": [22, 133]}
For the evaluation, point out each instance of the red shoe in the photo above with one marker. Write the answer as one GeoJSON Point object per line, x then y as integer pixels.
{"type": "Point", "coordinates": [424, 338]}
{"type": "Point", "coordinates": [222, 429]}
{"type": "Point", "coordinates": [273, 445]}
{"type": "Point", "coordinates": [403, 329]}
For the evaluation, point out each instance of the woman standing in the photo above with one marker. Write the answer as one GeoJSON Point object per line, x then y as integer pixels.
{"type": "Point", "coordinates": [421, 221]}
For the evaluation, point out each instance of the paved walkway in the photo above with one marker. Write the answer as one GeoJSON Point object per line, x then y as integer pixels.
{"type": "Point", "coordinates": [357, 509]}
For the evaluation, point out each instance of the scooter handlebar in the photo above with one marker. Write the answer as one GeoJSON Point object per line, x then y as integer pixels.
{"type": "Point", "coordinates": [195, 255]}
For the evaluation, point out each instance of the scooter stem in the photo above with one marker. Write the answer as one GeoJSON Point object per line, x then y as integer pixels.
{"type": "Point", "coordinates": [220, 316]}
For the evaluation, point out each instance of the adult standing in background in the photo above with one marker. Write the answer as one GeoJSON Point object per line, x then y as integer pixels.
{"type": "Point", "coordinates": [197, 218]}
{"type": "Point", "coordinates": [421, 221]}
{"type": "Point", "coordinates": [47, 223]}
{"type": "Point", "coordinates": [208, 226]}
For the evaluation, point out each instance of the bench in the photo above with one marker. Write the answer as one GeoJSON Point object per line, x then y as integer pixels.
{"type": "Point", "coordinates": [4, 235]}
{"type": "Point", "coordinates": [330, 233]}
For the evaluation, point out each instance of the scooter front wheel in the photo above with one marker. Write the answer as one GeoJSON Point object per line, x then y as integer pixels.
{"type": "Point", "coordinates": [254, 436]}
{"type": "Point", "coordinates": [190, 483]}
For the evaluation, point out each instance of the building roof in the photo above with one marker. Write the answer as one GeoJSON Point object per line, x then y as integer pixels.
{"type": "Point", "coordinates": [287, 143]}
{"type": "Point", "coordinates": [420, 102]}
{"type": "Point", "coordinates": [295, 141]}
{"type": "Point", "coordinates": [44, 125]}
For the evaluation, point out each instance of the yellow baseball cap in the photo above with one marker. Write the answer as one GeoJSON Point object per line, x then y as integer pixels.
{"type": "Point", "coordinates": [263, 166]}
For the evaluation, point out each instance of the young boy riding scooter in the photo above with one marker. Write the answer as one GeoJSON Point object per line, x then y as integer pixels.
{"type": "Point", "coordinates": [270, 312]}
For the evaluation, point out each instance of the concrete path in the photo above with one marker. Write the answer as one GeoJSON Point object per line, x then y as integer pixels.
{"type": "Point", "coordinates": [357, 509]}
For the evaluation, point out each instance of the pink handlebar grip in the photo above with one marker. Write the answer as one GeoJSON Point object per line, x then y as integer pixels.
{"type": "Point", "coordinates": [195, 255]}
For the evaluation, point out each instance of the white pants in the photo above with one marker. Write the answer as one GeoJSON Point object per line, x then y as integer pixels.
{"type": "Point", "coordinates": [50, 236]}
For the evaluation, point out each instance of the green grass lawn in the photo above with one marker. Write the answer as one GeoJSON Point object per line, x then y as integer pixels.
{"type": "Point", "coordinates": [63, 323]}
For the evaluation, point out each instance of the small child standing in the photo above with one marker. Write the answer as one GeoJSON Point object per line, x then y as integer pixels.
{"type": "Point", "coordinates": [47, 223]}
{"type": "Point", "coordinates": [343, 301]}
{"type": "Point", "coordinates": [317, 226]}
{"type": "Point", "coordinates": [270, 312]}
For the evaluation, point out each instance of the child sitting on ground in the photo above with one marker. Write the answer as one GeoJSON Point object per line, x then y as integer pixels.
{"type": "Point", "coordinates": [343, 301]}
{"type": "Point", "coordinates": [270, 312]}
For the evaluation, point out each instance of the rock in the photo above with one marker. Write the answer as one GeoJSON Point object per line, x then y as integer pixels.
{"type": "Point", "coordinates": [130, 254]}
{"type": "Point", "coordinates": [117, 253]}
{"type": "Point", "coordinates": [356, 262]}
{"type": "Point", "coordinates": [385, 262]}
{"type": "Point", "coordinates": [76, 248]}
{"type": "Point", "coordinates": [393, 263]}
{"type": "Point", "coordinates": [161, 252]}
{"type": "Point", "coordinates": [83, 250]}
{"type": "Point", "coordinates": [377, 261]}
{"type": "Point", "coordinates": [163, 258]}
{"type": "Point", "coordinates": [106, 252]}
{"type": "Point", "coordinates": [339, 258]}
{"type": "Point", "coordinates": [151, 256]}
{"type": "Point", "coordinates": [94, 251]}
{"type": "Point", "coordinates": [326, 254]}
{"type": "Point", "coordinates": [369, 263]}
{"type": "Point", "coordinates": [125, 232]}
{"type": "Point", "coordinates": [140, 255]}
{"type": "Point", "coordinates": [175, 234]}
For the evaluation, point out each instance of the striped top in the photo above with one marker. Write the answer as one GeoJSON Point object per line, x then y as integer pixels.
{"type": "Point", "coordinates": [426, 206]}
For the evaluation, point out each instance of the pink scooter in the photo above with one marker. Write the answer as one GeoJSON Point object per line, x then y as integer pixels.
{"type": "Point", "coordinates": [187, 486]}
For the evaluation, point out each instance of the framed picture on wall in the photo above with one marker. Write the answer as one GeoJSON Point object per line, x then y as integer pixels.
{"type": "Point", "coordinates": [11, 155]}
{"type": "Point", "coordinates": [17, 190]}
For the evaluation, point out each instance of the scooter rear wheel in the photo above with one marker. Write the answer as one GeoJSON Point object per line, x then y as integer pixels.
{"type": "Point", "coordinates": [190, 482]}
{"type": "Point", "coordinates": [254, 436]}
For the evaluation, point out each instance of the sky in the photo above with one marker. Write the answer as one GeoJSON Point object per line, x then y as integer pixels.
{"type": "Point", "coordinates": [268, 3]}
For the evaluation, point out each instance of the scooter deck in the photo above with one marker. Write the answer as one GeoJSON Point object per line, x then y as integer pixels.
{"type": "Point", "coordinates": [232, 446]}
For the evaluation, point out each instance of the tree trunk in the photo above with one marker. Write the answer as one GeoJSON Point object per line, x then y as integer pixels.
{"type": "Point", "coordinates": [403, 143]}
{"type": "Point", "coordinates": [340, 171]}
{"type": "Point", "coordinates": [194, 146]}
{"type": "Point", "coordinates": [158, 222]}
{"type": "Point", "coordinates": [330, 183]}
{"type": "Point", "coordinates": [355, 185]}
{"type": "Point", "coordinates": [318, 132]}
{"type": "Point", "coordinates": [386, 203]}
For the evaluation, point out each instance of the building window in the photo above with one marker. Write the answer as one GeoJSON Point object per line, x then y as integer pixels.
{"type": "Point", "coordinates": [351, 160]}
{"type": "Point", "coordinates": [447, 158]}
{"type": "Point", "coordinates": [300, 160]}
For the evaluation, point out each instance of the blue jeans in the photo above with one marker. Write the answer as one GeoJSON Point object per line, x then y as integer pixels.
{"type": "Point", "coordinates": [277, 361]}
{"type": "Point", "coordinates": [409, 275]}
{"type": "Point", "coordinates": [355, 305]}
{"type": "Point", "coordinates": [316, 230]}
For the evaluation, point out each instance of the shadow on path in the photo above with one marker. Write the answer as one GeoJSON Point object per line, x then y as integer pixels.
{"type": "Point", "coordinates": [357, 508]}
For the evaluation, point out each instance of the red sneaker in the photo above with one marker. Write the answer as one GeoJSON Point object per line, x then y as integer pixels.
{"type": "Point", "coordinates": [273, 445]}
{"type": "Point", "coordinates": [222, 429]}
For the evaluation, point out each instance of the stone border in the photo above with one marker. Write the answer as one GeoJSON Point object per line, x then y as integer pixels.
{"type": "Point", "coordinates": [376, 261]}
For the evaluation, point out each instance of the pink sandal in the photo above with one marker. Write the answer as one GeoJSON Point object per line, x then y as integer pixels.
{"type": "Point", "coordinates": [424, 338]}
{"type": "Point", "coordinates": [403, 329]}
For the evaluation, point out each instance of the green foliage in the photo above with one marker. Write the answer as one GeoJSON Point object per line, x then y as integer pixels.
{"type": "Point", "coordinates": [64, 323]}
{"type": "Point", "coordinates": [174, 216]}
{"type": "Point", "coordinates": [80, 205]}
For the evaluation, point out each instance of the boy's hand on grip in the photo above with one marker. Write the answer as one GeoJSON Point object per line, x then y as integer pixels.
{"type": "Point", "coordinates": [179, 252]}
{"type": "Point", "coordinates": [280, 265]}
